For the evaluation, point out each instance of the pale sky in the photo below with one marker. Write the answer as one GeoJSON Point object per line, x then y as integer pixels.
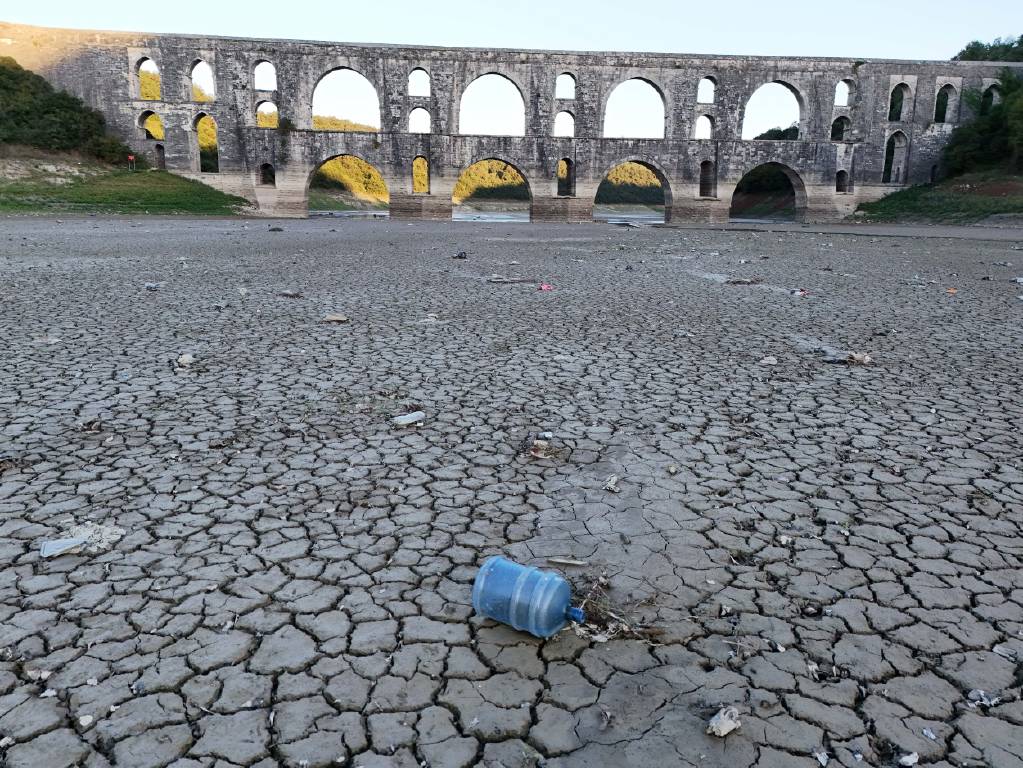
{"type": "Point", "coordinates": [910, 29]}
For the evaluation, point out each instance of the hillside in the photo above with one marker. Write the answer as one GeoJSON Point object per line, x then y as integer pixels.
{"type": "Point", "coordinates": [33, 180]}
{"type": "Point", "coordinates": [967, 199]}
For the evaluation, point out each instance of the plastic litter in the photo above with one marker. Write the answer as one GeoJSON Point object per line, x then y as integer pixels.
{"type": "Point", "coordinates": [911, 759]}
{"type": "Point", "coordinates": [153, 286]}
{"type": "Point", "coordinates": [185, 360]}
{"type": "Point", "coordinates": [545, 287]}
{"type": "Point", "coordinates": [60, 546]}
{"type": "Point", "coordinates": [744, 281]}
{"type": "Point", "coordinates": [930, 734]}
{"type": "Point", "coordinates": [565, 561]}
{"type": "Point", "coordinates": [290, 294]}
{"type": "Point", "coordinates": [524, 597]}
{"type": "Point", "coordinates": [724, 722]}
{"type": "Point", "coordinates": [769, 360]}
{"type": "Point", "coordinates": [85, 720]}
{"type": "Point", "coordinates": [408, 419]}
{"type": "Point", "coordinates": [977, 696]}
{"type": "Point", "coordinates": [823, 758]}
{"type": "Point", "coordinates": [334, 317]}
{"type": "Point", "coordinates": [461, 255]}
{"type": "Point", "coordinates": [611, 484]}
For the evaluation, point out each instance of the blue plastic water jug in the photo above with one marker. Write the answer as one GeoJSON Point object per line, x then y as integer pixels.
{"type": "Point", "coordinates": [538, 602]}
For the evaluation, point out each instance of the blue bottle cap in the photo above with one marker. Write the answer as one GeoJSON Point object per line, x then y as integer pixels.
{"type": "Point", "coordinates": [576, 614]}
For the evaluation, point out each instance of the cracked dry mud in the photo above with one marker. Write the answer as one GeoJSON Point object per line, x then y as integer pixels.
{"type": "Point", "coordinates": [835, 550]}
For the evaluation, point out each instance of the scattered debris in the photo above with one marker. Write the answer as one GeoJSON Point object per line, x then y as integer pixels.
{"type": "Point", "coordinates": [460, 255]}
{"type": "Point", "coordinates": [416, 417]}
{"type": "Point", "coordinates": [930, 734]}
{"type": "Point", "coordinates": [5, 742]}
{"type": "Point", "coordinates": [672, 469]}
{"type": "Point", "coordinates": [94, 537]}
{"type": "Point", "coordinates": [243, 291]}
{"type": "Point", "coordinates": [501, 279]}
{"type": "Point", "coordinates": [628, 224]}
{"type": "Point", "coordinates": [800, 292]}
{"type": "Point", "coordinates": [334, 317]}
{"type": "Point", "coordinates": [744, 281]}
{"type": "Point", "coordinates": [545, 287]}
{"type": "Point", "coordinates": [952, 291]}
{"type": "Point", "coordinates": [769, 360]}
{"type": "Point", "coordinates": [539, 446]}
{"type": "Point", "coordinates": [1004, 263]}
{"type": "Point", "coordinates": [93, 681]}
{"type": "Point", "coordinates": [85, 720]}
{"type": "Point", "coordinates": [276, 229]}
{"type": "Point", "coordinates": [724, 610]}
{"type": "Point", "coordinates": [979, 697]}
{"type": "Point", "coordinates": [46, 339]}
{"type": "Point", "coordinates": [606, 716]}
{"type": "Point", "coordinates": [822, 758]}
{"type": "Point", "coordinates": [611, 484]}
{"type": "Point", "coordinates": [911, 759]}
{"type": "Point", "coordinates": [49, 693]}
{"type": "Point", "coordinates": [290, 294]}
{"type": "Point", "coordinates": [724, 722]}
{"type": "Point", "coordinates": [153, 286]}
{"type": "Point", "coordinates": [56, 547]}
{"type": "Point", "coordinates": [1005, 652]}
{"type": "Point", "coordinates": [784, 540]}
{"type": "Point", "coordinates": [185, 360]}
{"type": "Point", "coordinates": [858, 358]}
{"type": "Point", "coordinates": [565, 561]}
{"type": "Point", "coordinates": [813, 669]}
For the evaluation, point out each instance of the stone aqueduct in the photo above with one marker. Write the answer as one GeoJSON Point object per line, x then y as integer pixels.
{"type": "Point", "coordinates": [830, 176]}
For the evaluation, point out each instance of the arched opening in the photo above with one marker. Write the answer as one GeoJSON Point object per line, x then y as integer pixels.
{"type": "Point", "coordinates": [564, 125]}
{"type": "Point", "coordinates": [704, 128]}
{"type": "Point", "coordinates": [843, 93]}
{"type": "Point", "coordinates": [633, 191]}
{"type": "Point", "coordinates": [149, 80]}
{"type": "Point", "coordinates": [264, 77]}
{"type": "Point", "coordinates": [267, 115]}
{"type": "Point", "coordinates": [209, 149]}
{"type": "Point", "coordinates": [420, 176]}
{"type": "Point", "coordinates": [203, 85]}
{"type": "Point", "coordinates": [895, 154]}
{"type": "Point", "coordinates": [491, 190]}
{"type": "Point", "coordinates": [419, 83]}
{"type": "Point", "coordinates": [773, 113]}
{"type": "Point", "coordinates": [151, 123]}
{"type": "Point", "coordinates": [992, 97]}
{"type": "Point", "coordinates": [634, 110]}
{"type": "Point", "coordinates": [564, 86]}
{"type": "Point", "coordinates": [708, 179]}
{"type": "Point", "coordinates": [934, 174]}
{"type": "Point", "coordinates": [161, 157]}
{"type": "Point", "coordinates": [566, 178]}
{"type": "Point", "coordinates": [772, 192]}
{"type": "Point", "coordinates": [842, 182]}
{"type": "Point", "coordinates": [419, 121]}
{"type": "Point", "coordinates": [267, 175]}
{"type": "Point", "coordinates": [841, 129]}
{"type": "Point", "coordinates": [944, 100]}
{"type": "Point", "coordinates": [897, 103]}
{"type": "Point", "coordinates": [706, 91]}
{"type": "Point", "coordinates": [347, 183]}
{"type": "Point", "coordinates": [492, 105]}
{"type": "Point", "coordinates": [344, 100]}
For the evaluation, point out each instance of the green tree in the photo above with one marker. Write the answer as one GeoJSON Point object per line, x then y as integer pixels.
{"type": "Point", "coordinates": [1000, 49]}
{"type": "Point", "coordinates": [993, 140]}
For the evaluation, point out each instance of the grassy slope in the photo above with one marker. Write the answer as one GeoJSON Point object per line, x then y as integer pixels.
{"type": "Point", "coordinates": [963, 200]}
{"type": "Point", "coordinates": [116, 191]}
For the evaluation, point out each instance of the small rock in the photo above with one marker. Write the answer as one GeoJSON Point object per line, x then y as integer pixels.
{"type": "Point", "coordinates": [769, 360]}
{"type": "Point", "coordinates": [911, 759]}
{"type": "Point", "coordinates": [334, 317]}
{"type": "Point", "coordinates": [85, 720]}
{"type": "Point", "coordinates": [185, 360]}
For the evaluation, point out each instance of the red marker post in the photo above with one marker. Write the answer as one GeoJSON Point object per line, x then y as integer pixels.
{"type": "Point", "coordinates": [131, 162]}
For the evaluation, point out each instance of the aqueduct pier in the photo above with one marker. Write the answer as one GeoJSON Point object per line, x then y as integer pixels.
{"type": "Point", "coordinates": [887, 135]}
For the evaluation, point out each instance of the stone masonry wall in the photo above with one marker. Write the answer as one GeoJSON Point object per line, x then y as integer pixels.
{"type": "Point", "coordinates": [101, 68]}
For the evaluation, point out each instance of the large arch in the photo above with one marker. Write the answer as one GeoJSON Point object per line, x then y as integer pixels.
{"type": "Point", "coordinates": [346, 182]}
{"type": "Point", "coordinates": [345, 100]}
{"type": "Point", "coordinates": [625, 190]}
{"type": "Point", "coordinates": [776, 104]}
{"type": "Point", "coordinates": [203, 81]}
{"type": "Point", "coordinates": [147, 74]}
{"type": "Point", "coordinates": [760, 193]}
{"type": "Point", "coordinates": [896, 159]}
{"type": "Point", "coordinates": [492, 105]}
{"type": "Point", "coordinates": [635, 108]}
{"type": "Point", "coordinates": [492, 186]}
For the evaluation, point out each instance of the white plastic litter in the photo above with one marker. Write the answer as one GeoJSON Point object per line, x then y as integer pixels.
{"type": "Point", "coordinates": [912, 759]}
{"type": "Point", "coordinates": [408, 419]}
{"type": "Point", "coordinates": [724, 722]}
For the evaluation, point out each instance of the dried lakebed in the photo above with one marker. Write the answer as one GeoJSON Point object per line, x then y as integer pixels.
{"type": "Point", "coordinates": [284, 575]}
